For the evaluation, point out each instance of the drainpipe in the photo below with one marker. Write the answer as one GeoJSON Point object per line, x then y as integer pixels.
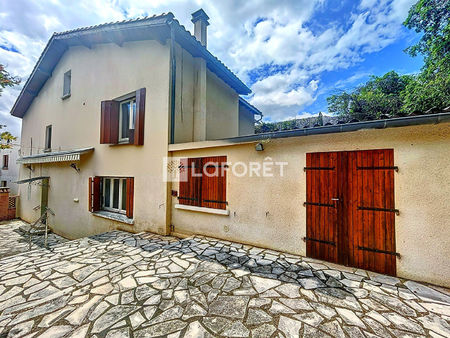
{"type": "Point", "coordinates": [173, 66]}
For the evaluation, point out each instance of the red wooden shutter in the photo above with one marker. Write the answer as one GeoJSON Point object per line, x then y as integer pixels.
{"type": "Point", "coordinates": [190, 181]}
{"type": "Point", "coordinates": [109, 123]}
{"type": "Point", "coordinates": [214, 182]}
{"type": "Point", "coordinates": [130, 197]}
{"type": "Point", "coordinates": [94, 194]}
{"type": "Point", "coordinates": [138, 135]}
{"type": "Point", "coordinates": [90, 194]}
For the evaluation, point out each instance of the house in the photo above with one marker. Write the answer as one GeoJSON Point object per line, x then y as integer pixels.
{"type": "Point", "coordinates": [112, 111]}
{"type": "Point", "coordinates": [9, 170]}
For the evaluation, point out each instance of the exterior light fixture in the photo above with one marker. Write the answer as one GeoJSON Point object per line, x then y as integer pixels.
{"type": "Point", "coordinates": [259, 146]}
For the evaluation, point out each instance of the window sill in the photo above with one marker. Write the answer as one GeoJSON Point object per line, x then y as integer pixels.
{"type": "Point", "coordinates": [224, 212]}
{"type": "Point", "coordinates": [121, 143]}
{"type": "Point", "coordinates": [114, 216]}
{"type": "Point", "coordinates": [65, 96]}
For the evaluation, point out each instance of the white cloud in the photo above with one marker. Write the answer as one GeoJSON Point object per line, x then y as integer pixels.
{"type": "Point", "coordinates": [282, 37]}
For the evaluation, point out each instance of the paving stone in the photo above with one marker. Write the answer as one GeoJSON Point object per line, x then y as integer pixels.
{"type": "Point", "coordinates": [310, 318]}
{"type": "Point", "coordinates": [77, 316]}
{"type": "Point", "coordinates": [229, 306]}
{"type": "Point", "coordinates": [393, 303]}
{"type": "Point", "coordinates": [296, 304]}
{"type": "Point", "coordinates": [350, 317]}
{"type": "Point", "coordinates": [333, 328]}
{"type": "Point", "coordinates": [196, 330]}
{"type": "Point", "coordinates": [290, 327]}
{"type": "Point", "coordinates": [384, 279]}
{"type": "Point", "coordinates": [426, 293]}
{"type": "Point", "coordinates": [353, 331]}
{"type": "Point", "coordinates": [311, 283]}
{"type": "Point", "coordinates": [161, 329]}
{"type": "Point", "coordinates": [49, 319]}
{"type": "Point", "coordinates": [237, 329]}
{"type": "Point", "coordinates": [112, 316]}
{"type": "Point", "coordinates": [216, 324]}
{"type": "Point", "coordinates": [89, 283]}
{"type": "Point", "coordinates": [324, 310]}
{"type": "Point", "coordinates": [337, 297]}
{"type": "Point", "coordinates": [80, 332]}
{"type": "Point", "coordinates": [257, 316]}
{"type": "Point", "coordinates": [123, 332]}
{"type": "Point", "coordinates": [263, 331]}
{"type": "Point", "coordinates": [436, 324]}
{"type": "Point", "coordinates": [193, 310]}
{"type": "Point", "coordinates": [263, 284]}
{"type": "Point", "coordinates": [169, 314]}
{"type": "Point", "coordinates": [289, 290]}
{"type": "Point", "coordinates": [279, 308]}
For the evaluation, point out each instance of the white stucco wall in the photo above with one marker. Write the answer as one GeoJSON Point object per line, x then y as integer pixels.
{"type": "Point", "coordinates": [269, 212]}
{"type": "Point", "coordinates": [105, 72]}
{"type": "Point", "coordinates": [11, 174]}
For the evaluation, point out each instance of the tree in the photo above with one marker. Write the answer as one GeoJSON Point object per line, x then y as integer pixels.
{"type": "Point", "coordinates": [6, 79]}
{"type": "Point", "coordinates": [393, 94]}
{"type": "Point", "coordinates": [381, 95]}
{"type": "Point", "coordinates": [431, 18]}
{"type": "Point", "coordinates": [6, 139]}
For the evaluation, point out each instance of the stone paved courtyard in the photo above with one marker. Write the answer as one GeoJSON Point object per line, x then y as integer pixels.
{"type": "Point", "coordinates": [144, 285]}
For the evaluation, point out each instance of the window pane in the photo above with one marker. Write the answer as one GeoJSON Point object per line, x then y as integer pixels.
{"type": "Point", "coordinates": [107, 192]}
{"type": "Point", "coordinates": [116, 193]}
{"type": "Point", "coordinates": [125, 122]}
{"type": "Point", "coordinates": [67, 80]}
{"type": "Point", "coordinates": [132, 121]}
{"type": "Point", "coordinates": [124, 194]}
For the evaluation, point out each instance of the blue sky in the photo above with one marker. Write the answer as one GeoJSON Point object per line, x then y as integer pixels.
{"type": "Point", "coordinates": [292, 53]}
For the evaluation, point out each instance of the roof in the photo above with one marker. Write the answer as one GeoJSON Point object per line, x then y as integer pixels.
{"type": "Point", "coordinates": [249, 106]}
{"type": "Point", "coordinates": [157, 27]}
{"type": "Point", "coordinates": [56, 156]}
{"type": "Point", "coordinates": [443, 117]}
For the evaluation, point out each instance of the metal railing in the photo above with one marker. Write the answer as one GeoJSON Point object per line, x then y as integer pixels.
{"type": "Point", "coordinates": [39, 226]}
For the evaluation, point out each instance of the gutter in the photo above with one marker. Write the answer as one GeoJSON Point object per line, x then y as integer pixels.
{"type": "Point", "coordinates": [348, 127]}
{"type": "Point", "coordinates": [173, 66]}
{"type": "Point", "coordinates": [342, 128]}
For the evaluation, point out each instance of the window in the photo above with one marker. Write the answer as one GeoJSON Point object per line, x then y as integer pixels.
{"type": "Point", "coordinates": [122, 120]}
{"type": "Point", "coordinates": [127, 118]}
{"type": "Point", "coordinates": [114, 194]}
{"type": "Point", "coordinates": [48, 138]}
{"type": "Point", "coordinates": [67, 84]}
{"type": "Point", "coordinates": [5, 162]}
{"type": "Point", "coordinates": [4, 184]}
{"type": "Point", "coordinates": [203, 182]}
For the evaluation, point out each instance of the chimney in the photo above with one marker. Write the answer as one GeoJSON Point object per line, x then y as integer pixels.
{"type": "Point", "coordinates": [200, 20]}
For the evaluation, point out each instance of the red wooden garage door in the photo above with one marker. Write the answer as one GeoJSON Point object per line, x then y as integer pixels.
{"type": "Point", "coordinates": [350, 209]}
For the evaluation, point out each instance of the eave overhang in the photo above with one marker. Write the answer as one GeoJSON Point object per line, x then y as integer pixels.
{"type": "Point", "coordinates": [151, 28]}
{"type": "Point", "coordinates": [54, 157]}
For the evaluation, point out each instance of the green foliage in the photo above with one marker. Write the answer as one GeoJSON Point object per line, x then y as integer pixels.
{"type": "Point", "coordinates": [431, 18]}
{"type": "Point", "coordinates": [379, 96]}
{"type": "Point", "coordinates": [393, 94]}
{"type": "Point", "coordinates": [6, 139]}
{"type": "Point", "coordinates": [426, 93]}
{"type": "Point", "coordinates": [6, 79]}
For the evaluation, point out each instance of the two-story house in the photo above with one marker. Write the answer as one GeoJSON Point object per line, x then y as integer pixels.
{"type": "Point", "coordinates": [9, 169]}
{"type": "Point", "coordinates": [99, 111]}
{"type": "Point", "coordinates": [110, 110]}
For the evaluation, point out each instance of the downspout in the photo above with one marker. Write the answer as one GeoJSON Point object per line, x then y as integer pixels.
{"type": "Point", "coordinates": [173, 66]}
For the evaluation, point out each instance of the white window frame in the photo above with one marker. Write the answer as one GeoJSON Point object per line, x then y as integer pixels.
{"type": "Point", "coordinates": [67, 84]}
{"type": "Point", "coordinates": [111, 194]}
{"type": "Point", "coordinates": [130, 121]}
